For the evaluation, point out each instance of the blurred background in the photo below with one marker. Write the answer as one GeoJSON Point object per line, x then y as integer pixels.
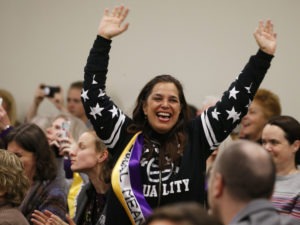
{"type": "Point", "coordinates": [204, 43]}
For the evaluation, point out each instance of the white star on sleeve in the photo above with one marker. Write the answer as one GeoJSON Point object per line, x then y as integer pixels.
{"type": "Point", "coordinates": [247, 106]}
{"type": "Point", "coordinates": [215, 114]}
{"type": "Point", "coordinates": [114, 111]}
{"type": "Point", "coordinates": [237, 77]}
{"type": "Point", "coordinates": [233, 92]}
{"type": "Point", "coordinates": [102, 93]}
{"type": "Point", "coordinates": [96, 111]}
{"type": "Point", "coordinates": [232, 114]}
{"type": "Point", "coordinates": [249, 88]}
{"type": "Point", "coordinates": [94, 82]}
{"type": "Point", "coordinates": [84, 95]}
{"type": "Point", "coordinates": [92, 112]}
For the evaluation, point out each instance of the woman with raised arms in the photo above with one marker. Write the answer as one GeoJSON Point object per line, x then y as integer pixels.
{"type": "Point", "coordinates": [160, 153]}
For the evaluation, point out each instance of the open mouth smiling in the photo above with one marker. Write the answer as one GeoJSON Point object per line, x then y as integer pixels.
{"type": "Point", "coordinates": [164, 116]}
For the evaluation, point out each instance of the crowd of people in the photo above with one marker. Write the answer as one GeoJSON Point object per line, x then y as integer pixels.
{"type": "Point", "coordinates": [234, 161]}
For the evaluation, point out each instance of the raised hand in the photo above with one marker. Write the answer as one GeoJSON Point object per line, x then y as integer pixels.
{"type": "Point", "coordinates": [265, 37]}
{"type": "Point", "coordinates": [111, 22]}
{"type": "Point", "coordinates": [39, 95]}
{"type": "Point", "coordinates": [58, 101]}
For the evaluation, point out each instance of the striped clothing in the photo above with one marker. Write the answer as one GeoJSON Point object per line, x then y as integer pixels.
{"type": "Point", "coordinates": [286, 197]}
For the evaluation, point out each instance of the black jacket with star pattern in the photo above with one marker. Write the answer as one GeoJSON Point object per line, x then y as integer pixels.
{"type": "Point", "coordinates": [204, 133]}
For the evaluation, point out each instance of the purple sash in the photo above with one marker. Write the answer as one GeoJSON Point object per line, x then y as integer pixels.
{"type": "Point", "coordinates": [127, 183]}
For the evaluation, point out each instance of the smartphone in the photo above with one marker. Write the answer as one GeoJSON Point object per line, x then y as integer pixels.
{"type": "Point", "coordinates": [50, 90]}
{"type": "Point", "coordinates": [1, 100]}
{"type": "Point", "coordinates": [65, 127]}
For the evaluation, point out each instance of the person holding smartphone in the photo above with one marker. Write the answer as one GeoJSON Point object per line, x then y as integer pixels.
{"type": "Point", "coordinates": [55, 95]}
{"type": "Point", "coordinates": [65, 128]}
{"type": "Point", "coordinates": [90, 156]}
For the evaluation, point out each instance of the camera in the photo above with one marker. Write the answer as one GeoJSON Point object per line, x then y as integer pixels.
{"type": "Point", "coordinates": [49, 91]}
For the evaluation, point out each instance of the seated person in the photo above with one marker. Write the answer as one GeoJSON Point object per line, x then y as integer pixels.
{"type": "Point", "coordinates": [13, 187]}
{"type": "Point", "coordinates": [30, 144]}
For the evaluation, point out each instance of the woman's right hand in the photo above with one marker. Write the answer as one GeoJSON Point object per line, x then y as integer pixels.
{"type": "Point", "coordinates": [39, 95]}
{"type": "Point", "coordinates": [111, 22]}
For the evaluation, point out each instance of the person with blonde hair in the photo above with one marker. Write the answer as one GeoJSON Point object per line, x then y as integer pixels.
{"type": "Point", "coordinates": [62, 126]}
{"type": "Point", "coordinates": [13, 187]}
{"type": "Point", "coordinates": [264, 106]}
{"type": "Point", "coordinates": [90, 156]}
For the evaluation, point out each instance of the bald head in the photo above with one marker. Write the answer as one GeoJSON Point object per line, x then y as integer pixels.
{"type": "Point", "coordinates": [247, 169]}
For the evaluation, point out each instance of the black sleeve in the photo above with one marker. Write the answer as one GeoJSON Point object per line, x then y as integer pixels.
{"type": "Point", "coordinates": [108, 120]}
{"type": "Point", "coordinates": [218, 121]}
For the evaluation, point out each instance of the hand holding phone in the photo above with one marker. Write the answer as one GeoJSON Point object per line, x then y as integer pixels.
{"type": "Point", "coordinates": [65, 127]}
{"type": "Point", "coordinates": [50, 91]}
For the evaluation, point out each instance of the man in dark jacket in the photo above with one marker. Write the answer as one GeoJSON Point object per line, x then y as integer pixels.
{"type": "Point", "coordinates": [241, 182]}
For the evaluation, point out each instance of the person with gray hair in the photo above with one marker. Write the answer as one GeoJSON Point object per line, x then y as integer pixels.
{"type": "Point", "coordinates": [240, 186]}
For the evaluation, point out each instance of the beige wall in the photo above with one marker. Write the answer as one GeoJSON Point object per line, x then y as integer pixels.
{"type": "Point", "coordinates": [203, 43]}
